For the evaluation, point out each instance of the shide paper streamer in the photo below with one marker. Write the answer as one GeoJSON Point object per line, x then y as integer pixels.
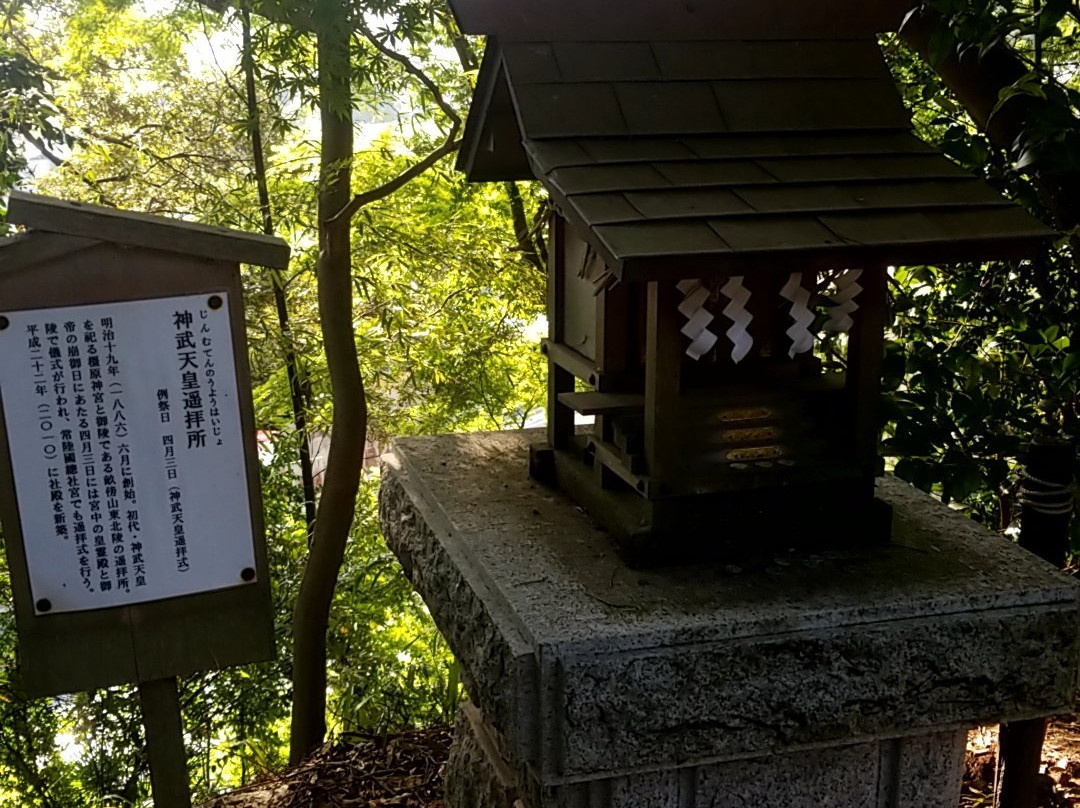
{"type": "Point", "coordinates": [847, 289]}
{"type": "Point", "coordinates": [802, 340]}
{"type": "Point", "coordinates": [697, 317]}
{"type": "Point", "coordinates": [741, 340]}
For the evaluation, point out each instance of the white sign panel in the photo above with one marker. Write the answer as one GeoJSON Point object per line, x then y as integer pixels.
{"type": "Point", "coordinates": [126, 446]}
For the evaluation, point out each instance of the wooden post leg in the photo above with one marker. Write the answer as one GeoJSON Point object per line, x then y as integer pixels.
{"type": "Point", "coordinates": [663, 367]}
{"type": "Point", "coordinates": [165, 743]}
{"type": "Point", "coordinates": [1020, 756]}
{"type": "Point", "coordinates": [1044, 529]}
{"type": "Point", "coordinates": [866, 351]}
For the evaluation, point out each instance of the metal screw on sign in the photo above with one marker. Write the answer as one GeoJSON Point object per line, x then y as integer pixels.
{"type": "Point", "coordinates": [4, 322]}
{"type": "Point", "coordinates": [44, 605]}
{"type": "Point", "coordinates": [247, 574]}
{"type": "Point", "coordinates": [214, 302]}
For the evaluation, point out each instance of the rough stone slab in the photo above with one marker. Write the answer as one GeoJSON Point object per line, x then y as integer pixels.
{"type": "Point", "coordinates": [502, 662]}
{"type": "Point", "coordinates": [804, 689]}
{"type": "Point", "coordinates": [477, 774]}
{"type": "Point", "coordinates": [929, 770]}
{"type": "Point", "coordinates": [591, 670]}
{"type": "Point", "coordinates": [917, 772]}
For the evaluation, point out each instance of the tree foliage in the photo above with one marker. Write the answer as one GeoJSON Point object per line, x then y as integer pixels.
{"type": "Point", "coordinates": [437, 300]}
{"type": "Point", "coordinates": [27, 112]}
{"type": "Point", "coordinates": [984, 356]}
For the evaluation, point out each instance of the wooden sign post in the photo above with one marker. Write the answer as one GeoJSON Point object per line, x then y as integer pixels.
{"type": "Point", "coordinates": [128, 474]}
{"type": "Point", "coordinates": [164, 727]}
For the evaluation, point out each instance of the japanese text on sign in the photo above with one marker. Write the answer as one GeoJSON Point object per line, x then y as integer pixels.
{"type": "Point", "coordinates": [124, 431]}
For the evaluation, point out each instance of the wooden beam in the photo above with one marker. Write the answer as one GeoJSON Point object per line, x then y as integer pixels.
{"type": "Point", "coordinates": [49, 215]}
{"type": "Point", "coordinates": [866, 351]}
{"type": "Point", "coordinates": [603, 403]}
{"type": "Point", "coordinates": [571, 361]}
{"type": "Point", "coordinates": [663, 370]}
{"type": "Point", "coordinates": [541, 20]}
{"type": "Point", "coordinates": [626, 467]}
{"type": "Point", "coordinates": [560, 380]}
{"type": "Point", "coordinates": [29, 249]}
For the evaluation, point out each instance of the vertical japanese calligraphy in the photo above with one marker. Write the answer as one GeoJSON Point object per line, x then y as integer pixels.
{"type": "Point", "coordinates": [125, 439]}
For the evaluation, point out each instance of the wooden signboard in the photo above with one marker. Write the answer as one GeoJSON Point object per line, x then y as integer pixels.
{"type": "Point", "coordinates": [128, 473]}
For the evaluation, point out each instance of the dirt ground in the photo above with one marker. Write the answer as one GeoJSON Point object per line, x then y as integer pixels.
{"type": "Point", "coordinates": [359, 771]}
{"type": "Point", "coordinates": [405, 771]}
{"type": "Point", "coordinates": [1060, 778]}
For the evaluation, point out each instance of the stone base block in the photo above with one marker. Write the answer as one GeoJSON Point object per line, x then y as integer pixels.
{"type": "Point", "coordinates": [917, 772]}
{"type": "Point", "coordinates": [477, 774]}
{"type": "Point", "coordinates": [804, 676]}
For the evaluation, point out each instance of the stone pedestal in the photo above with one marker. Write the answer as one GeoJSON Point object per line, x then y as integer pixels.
{"type": "Point", "coordinates": [841, 678]}
{"type": "Point", "coordinates": [922, 771]}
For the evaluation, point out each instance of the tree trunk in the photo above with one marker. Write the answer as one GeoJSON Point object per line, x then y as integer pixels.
{"type": "Point", "coordinates": [976, 81]}
{"type": "Point", "coordinates": [349, 425]}
{"type": "Point", "coordinates": [297, 379]}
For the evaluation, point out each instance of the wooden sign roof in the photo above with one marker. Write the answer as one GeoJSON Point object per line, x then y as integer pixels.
{"type": "Point", "coordinates": [722, 154]}
{"type": "Point", "coordinates": [596, 20]}
{"type": "Point", "coordinates": [43, 214]}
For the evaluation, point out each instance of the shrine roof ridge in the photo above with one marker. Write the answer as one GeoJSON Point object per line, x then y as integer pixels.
{"type": "Point", "coordinates": [44, 214]}
{"type": "Point", "coordinates": [679, 19]}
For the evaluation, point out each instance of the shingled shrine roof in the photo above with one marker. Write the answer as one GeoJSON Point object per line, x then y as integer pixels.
{"type": "Point", "coordinates": [716, 156]}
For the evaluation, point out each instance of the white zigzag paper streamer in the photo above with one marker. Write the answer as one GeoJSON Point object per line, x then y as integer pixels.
{"type": "Point", "coordinates": [697, 317]}
{"type": "Point", "coordinates": [741, 340]}
{"type": "Point", "coordinates": [702, 345]}
{"type": "Point", "coordinates": [687, 286]}
{"type": "Point", "coordinates": [847, 289]}
{"type": "Point", "coordinates": [799, 332]}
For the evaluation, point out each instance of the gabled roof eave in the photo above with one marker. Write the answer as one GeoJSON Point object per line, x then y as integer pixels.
{"type": "Point", "coordinates": [43, 214]}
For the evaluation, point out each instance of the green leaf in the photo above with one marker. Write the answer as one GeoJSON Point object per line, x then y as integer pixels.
{"type": "Point", "coordinates": [941, 45]}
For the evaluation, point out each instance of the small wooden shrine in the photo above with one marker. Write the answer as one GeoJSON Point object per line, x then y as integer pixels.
{"type": "Point", "coordinates": [731, 182]}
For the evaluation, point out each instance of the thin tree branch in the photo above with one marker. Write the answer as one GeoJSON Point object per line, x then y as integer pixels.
{"type": "Point", "coordinates": [540, 220]}
{"type": "Point", "coordinates": [415, 72]}
{"type": "Point", "coordinates": [299, 17]}
{"type": "Point", "coordinates": [465, 52]}
{"type": "Point", "coordinates": [293, 371]}
{"type": "Point", "coordinates": [449, 146]}
{"type": "Point", "coordinates": [39, 144]}
{"type": "Point", "coordinates": [29, 772]}
{"type": "Point", "coordinates": [522, 230]}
